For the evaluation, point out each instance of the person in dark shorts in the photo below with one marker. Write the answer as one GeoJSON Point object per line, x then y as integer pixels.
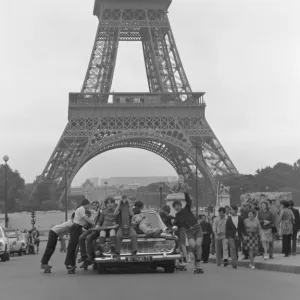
{"type": "Point", "coordinates": [189, 221]}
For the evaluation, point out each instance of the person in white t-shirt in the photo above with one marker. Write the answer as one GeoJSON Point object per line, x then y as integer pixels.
{"type": "Point", "coordinates": [56, 232]}
{"type": "Point", "coordinates": [80, 219]}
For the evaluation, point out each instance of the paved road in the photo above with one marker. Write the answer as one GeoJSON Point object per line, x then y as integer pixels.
{"type": "Point", "coordinates": [21, 278]}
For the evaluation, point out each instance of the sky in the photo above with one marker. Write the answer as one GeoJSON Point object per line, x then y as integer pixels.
{"type": "Point", "coordinates": [244, 54]}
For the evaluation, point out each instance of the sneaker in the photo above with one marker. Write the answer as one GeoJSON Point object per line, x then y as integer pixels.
{"type": "Point", "coordinates": [271, 257]}
{"type": "Point", "coordinates": [265, 258]}
{"type": "Point", "coordinates": [225, 262]}
{"type": "Point", "coordinates": [235, 267]}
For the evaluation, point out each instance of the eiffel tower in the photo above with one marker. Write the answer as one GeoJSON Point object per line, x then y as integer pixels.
{"type": "Point", "coordinates": [169, 120]}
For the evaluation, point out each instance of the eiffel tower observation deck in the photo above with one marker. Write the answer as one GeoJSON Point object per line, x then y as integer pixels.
{"type": "Point", "coordinates": [168, 120]}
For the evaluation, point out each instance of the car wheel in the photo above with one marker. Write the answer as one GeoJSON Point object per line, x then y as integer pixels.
{"type": "Point", "coordinates": [8, 256]}
{"type": "Point", "coordinates": [4, 257]}
{"type": "Point", "coordinates": [169, 268]}
{"type": "Point", "coordinates": [20, 252]}
{"type": "Point", "coordinates": [153, 267]}
{"type": "Point", "coordinates": [100, 269]}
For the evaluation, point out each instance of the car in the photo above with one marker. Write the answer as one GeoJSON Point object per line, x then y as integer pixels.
{"type": "Point", "coordinates": [4, 246]}
{"type": "Point", "coordinates": [15, 243]}
{"type": "Point", "coordinates": [152, 252]}
{"type": "Point", "coordinates": [24, 241]}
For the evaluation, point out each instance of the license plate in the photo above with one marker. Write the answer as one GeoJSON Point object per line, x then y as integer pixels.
{"type": "Point", "coordinates": [138, 259]}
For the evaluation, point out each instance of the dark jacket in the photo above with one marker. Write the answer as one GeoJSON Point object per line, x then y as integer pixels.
{"type": "Point", "coordinates": [232, 231]}
{"type": "Point", "coordinates": [185, 218]}
{"type": "Point", "coordinates": [266, 216]}
{"type": "Point", "coordinates": [207, 232]}
{"type": "Point", "coordinates": [297, 218]}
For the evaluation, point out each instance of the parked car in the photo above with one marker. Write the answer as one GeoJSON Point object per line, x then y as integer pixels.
{"type": "Point", "coordinates": [24, 241]}
{"type": "Point", "coordinates": [4, 246]}
{"type": "Point", "coordinates": [152, 252]}
{"type": "Point", "coordinates": [15, 242]}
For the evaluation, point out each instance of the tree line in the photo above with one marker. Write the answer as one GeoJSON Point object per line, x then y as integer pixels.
{"type": "Point", "coordinates": [280, 177]}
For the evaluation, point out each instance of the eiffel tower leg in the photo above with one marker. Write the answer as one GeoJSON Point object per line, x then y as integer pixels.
{"type": "Point", "coordinates": [101, 68]}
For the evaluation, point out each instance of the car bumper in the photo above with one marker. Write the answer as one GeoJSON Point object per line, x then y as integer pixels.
{"type": "Point", "coordinates": [148, 259]}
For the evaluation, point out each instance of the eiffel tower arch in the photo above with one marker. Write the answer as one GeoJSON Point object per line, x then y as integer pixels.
{"type": "Point", "coordinates": [169, 120]}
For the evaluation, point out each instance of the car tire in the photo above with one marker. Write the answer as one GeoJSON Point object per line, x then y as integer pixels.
{"type": "Point", "coordinates": [100, 269]}
{"type": "Point", "coordinates": [20, 252]}
{"type": "Point", "coordinates": [4, 257]}
{"type": "Point", "coordinates": [8, 256]}
{"type": "Point", "coordinates": [169, 268]}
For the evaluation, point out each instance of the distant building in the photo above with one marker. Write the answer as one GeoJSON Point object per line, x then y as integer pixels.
{"type": "Point", "coordinates": [141, 181]}
{"type": "Point", "coordinates": [95, 181]}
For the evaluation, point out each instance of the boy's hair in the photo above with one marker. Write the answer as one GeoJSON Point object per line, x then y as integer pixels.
{"type": "Point", "coordinates": [109, 199]}
{"type": "Point", "coordinates": [166, 208]}
{"type": "Point", "coordinates": [73, 215]}
{"type": "Point", "coordinates": [139, 204]}
{"type": "Point", "coordinates": [222, 209]}
{"type": "Point", "coordinates": [234, 207]}
{"type": "Point", "coordinates": [176, 202]}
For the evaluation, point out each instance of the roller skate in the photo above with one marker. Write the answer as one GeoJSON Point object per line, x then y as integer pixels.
{"type": "Point", "coordinates": [46, 268]}
{"type": "Point", "coordinates": [197, 269]}
{"type": "Point", "coordinates": [181, 265]}
{"type": "Point", "coordinates": [71, 269]}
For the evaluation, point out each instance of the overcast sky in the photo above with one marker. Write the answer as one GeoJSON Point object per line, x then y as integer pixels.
{"type": "Point", "coordinates": [244, 54]}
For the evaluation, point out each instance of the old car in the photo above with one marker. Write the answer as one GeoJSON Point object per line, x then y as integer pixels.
{"type": "Point", "coordinates": [152, 252]}
{"type": "Point", "coordinates": [4, 246]}
{"type": "Point", "coordinates": [14, 240]}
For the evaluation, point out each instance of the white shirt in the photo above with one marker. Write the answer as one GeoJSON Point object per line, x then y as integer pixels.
{"type": "Point", "coordinates": [62, 228]}
{"type": "Point", "coordinates": [235, 220]}
{"type": "Point", "coordinates": [79, 214]}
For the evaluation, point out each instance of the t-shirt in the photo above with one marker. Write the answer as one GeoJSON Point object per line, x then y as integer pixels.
{"type": "Point", "coordinates": [62, 228]}
{"type": "Point", "coordinates": [108, 218]}
{"type": "Point", "coordinates": [79, 214]}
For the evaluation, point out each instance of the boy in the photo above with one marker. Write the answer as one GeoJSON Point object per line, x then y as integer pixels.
{"type": "Point", "coordinates": [166, 218]}
{"type": "Point", "coordinates": [186, 219]}
{"type": "Point", "coordinates": [56, 232]}
{"type": "Point", "coordinates": [219, 229]}
{"type": "Point", "coordinates": [108, 224]}
{"type": "Point", "coordinates": [125, 213]}
{"type": "Point", "coordinates": [86, 239]}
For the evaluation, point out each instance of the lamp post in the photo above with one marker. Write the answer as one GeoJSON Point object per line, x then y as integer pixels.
{"type": "Point", "coordinates": [197, 202]}
{"type": "Point", "coordinates": [5, 158]}
{"type": "Point", "coordinates": [105, 187]}
{"type": "Point", "coordinates": [66, 190]}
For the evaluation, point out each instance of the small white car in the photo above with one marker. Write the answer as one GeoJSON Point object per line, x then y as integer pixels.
{"type": "Point", "coordinates": [15, 241]}
{"type": "Point", "coordinates": [4, 246]}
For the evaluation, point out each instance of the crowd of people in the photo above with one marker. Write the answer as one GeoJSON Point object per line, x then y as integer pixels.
{"type": "Point", "coordinates": [252, 230]}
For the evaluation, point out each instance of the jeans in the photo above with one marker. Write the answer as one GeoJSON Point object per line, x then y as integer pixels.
{"type": "Point", "coordinates": [50, 248]}
{"type": "Point", "coordinates": [234, 244]}
{"type": "Point", "coordinates": [82, 242]}
{"type": "Point", "coordinates": [221, 244]}
{"type": "Point", "coordinates": [89, 241]}
{"type": "Point", "coordinates": [75, 232]}
{"type": "Point", "coordinates": [132, 235]}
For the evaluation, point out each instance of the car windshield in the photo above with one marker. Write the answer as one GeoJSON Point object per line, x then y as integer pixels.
{"type": "Point", "coordinates": [154, 220]}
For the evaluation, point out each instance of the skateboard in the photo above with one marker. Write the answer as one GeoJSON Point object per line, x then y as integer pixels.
{"type": "Point", "coordinates": [47, 270]}
{"type": "Point", "coordinates": [198, 271]}
{"type": "Point", "coordinates": [71, 270]}
{"type": "Point", "coordinates": [181, 268]}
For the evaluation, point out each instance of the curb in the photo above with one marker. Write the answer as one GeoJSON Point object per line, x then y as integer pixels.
{"type": "Point", "coordinates": [266, 266]}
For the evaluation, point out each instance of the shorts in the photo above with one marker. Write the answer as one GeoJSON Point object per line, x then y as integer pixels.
{"type": "Point", "coordinates": [194, 232]}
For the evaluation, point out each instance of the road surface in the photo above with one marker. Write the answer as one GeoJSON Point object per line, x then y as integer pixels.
{"type": "Point", "coordinates": [20, 278]}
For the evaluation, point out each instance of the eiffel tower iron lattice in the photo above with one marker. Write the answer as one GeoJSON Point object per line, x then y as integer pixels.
{"type": "Point", "coordinates": [169, 120]}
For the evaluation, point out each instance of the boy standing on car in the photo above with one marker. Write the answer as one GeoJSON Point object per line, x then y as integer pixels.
{"type": "Point", "coordinates": [185, 218]}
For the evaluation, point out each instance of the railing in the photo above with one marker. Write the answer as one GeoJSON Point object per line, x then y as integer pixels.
{"type": "Point", "coordinates": [135, 99]}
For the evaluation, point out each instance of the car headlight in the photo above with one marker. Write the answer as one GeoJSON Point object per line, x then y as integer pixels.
{"type": "Point", "coordinates": [165, 246]}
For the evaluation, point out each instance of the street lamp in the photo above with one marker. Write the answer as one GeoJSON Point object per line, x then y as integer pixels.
{"type": "Point", "coordinates": [65, 162]}
{"type": "Point", "coordinates": [197, 204]}
{"type": "Point", "coordinates": [5, 158]}
{"type": "Point", "coordinates": [105, 186]}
